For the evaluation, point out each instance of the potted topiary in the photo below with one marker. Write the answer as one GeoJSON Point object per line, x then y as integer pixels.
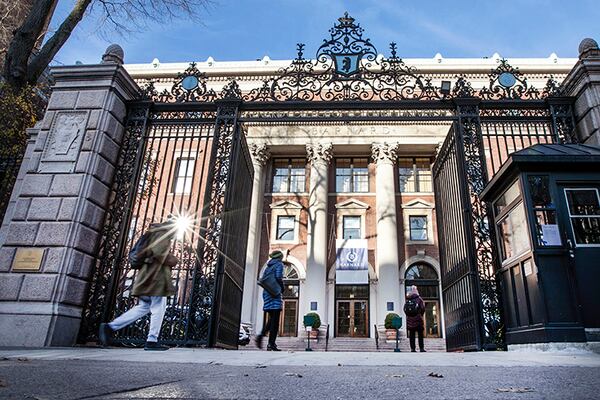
{"type": "Point", "coordinates": [314, 332]}
{"type": "Point", "coordinates": [390, 331]}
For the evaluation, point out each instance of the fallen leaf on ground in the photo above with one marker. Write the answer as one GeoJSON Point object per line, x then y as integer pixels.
{"type": "Point", "coordinates": [434, 375]}
{"type": "Point", "coordinates": [22, 359]}
{"type": "Point", "coordinates": [514, 390]}
{"type": "Point", "coordinates": [395, 376]}
{"type": "Point", "coordinates": [261, 366]}
{"type": "Point", "coordinates": [292, 374]}
{"type": "Point", "coordinates": [3, 383]}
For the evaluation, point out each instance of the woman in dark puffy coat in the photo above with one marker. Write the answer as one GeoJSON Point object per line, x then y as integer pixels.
{"type": "Point", "coordinates": [272, 304]}
{"type": "Point", "coordinates": [414, 317]}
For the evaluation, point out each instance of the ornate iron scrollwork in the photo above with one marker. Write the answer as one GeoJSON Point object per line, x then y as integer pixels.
{"type": "Point", "coordinates": [101, 291]}
{"type": "Point", "coordinates": [476, 176]}
{"type": "Point", "coordinates": [189, 85]}
{"type": "Point", "coordinates": [204, 278]}
{"type": "Point", "coordinates": [507, 82]}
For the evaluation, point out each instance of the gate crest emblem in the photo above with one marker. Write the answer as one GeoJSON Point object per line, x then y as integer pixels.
{"type": "Point", "coordinates": [347, 48]}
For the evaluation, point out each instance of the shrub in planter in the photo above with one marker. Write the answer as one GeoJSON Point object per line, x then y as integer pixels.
{"type": "Point", "coordinates": [316, 324]}
{"type": "Point", "coordinates": [390, 331]}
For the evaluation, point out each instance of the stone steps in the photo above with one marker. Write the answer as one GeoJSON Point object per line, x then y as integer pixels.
{"type": "Point", "coordinates": [351, 344]}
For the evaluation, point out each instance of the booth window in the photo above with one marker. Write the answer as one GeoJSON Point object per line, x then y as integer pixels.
{"type": "Point", "coordinates": [289, 175]}
{"type": "Point", "coordinates": [351, 175]}
{"type": "Point", "coordinates": [544, 209]}
{"type": "Point", "coordinates": [351, 227]}
{"type": "Point", "coordinates": [584, 212]}
{"type": "Point", "coordinates": [418, 227]}
{"type": "Point", "coordinates": [511, 223]}
{"type": "Point", "coordinates": [414, 175]}
{"type": "Point", "coordinates": [285, 227]}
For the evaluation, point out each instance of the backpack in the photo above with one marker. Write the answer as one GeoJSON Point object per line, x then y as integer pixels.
{"type": "Point", "coordinates": [138, 252]}
{"type": "Point", "coordinates": [411, 307]}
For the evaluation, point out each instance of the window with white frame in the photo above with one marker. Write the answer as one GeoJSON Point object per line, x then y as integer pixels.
{"type": "Point", "coordinates": [351, 175]}
{"type": "Point", "coordinates": [351, 227]}
{"type": "Point", "coordinates": [184, 173]}
{"type": "Point", "coordinates": [418, 227]}
{"type": "Point", "coordinates": [414, 174]}
{"type": "Point", "coordinates": [286, 228]}
{"type": "Point", "coordinates": [289, 175]}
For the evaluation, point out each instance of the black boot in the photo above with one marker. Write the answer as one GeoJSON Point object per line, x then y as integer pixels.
{"type": "Point", "coordinates": [105, 334]}
{"type": "Point", "coordinates": [154, 346]}
{"type": "Point", "coordinates": [273, 347]}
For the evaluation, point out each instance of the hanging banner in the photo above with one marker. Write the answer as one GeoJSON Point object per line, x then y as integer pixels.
{"type": "Point", "coordinates": [351, 263]}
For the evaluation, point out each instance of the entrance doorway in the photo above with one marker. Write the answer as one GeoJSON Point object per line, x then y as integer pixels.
{"type": "Point", "coordinates": [352, 311]}
{"type": "Point", "coordinates": [424, 277]}
{"type": "Point", "coordinates": [288, 323]}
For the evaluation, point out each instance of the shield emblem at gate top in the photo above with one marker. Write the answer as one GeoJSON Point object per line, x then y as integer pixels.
{"type": "Point", "coordinates": [346, 64]}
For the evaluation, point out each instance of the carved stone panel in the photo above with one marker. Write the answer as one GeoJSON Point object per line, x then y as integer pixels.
{"type": "Point", "coordinates": [64, 142]}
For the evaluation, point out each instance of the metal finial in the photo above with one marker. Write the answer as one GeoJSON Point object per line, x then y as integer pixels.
{"type": "Point", "coordinates": [300, 48]}
{"type": "Point", "coordinates": [393, 48]}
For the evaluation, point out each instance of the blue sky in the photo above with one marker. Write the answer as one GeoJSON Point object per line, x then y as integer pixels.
{"type": "Point", "coordinates": [248, 30]}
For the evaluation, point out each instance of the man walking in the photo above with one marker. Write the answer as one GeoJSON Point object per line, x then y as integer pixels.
{"type": "Point", "coordinates": [153, 284]}
{"type": "Point", "coordinates": [273, 303]}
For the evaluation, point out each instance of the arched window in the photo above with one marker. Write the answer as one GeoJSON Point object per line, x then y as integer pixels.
{"type": "Point", "coordinates": [290, 273]}
{"type": "Point", "coordinates": [421, 271]}
{"type": "Point", "coordinates": [424, 277]}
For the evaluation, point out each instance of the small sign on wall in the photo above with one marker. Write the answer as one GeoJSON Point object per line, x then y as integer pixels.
{"type": "Point", "coordinates": [28, 259]}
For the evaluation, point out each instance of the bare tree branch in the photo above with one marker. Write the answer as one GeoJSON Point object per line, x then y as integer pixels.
{"type": "Point", "coordinates": [41, 60]}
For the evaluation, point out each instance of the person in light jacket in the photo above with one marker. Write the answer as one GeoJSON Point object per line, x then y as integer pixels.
{"type": "Point", "coordinates": [272, 304]}
{"type": "Point", "coordinates": [153, 284]}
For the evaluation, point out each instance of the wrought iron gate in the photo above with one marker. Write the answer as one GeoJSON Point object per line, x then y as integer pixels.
{"type": "Point", "coordinates": [192, 165]}
{"type": "Point", "coordinates": [347, 82]}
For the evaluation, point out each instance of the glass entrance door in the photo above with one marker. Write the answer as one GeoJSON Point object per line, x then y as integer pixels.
{"type": "Point", "coordinates": [352, 318]}
{"type": "Point", "coordinates": [432, 319]}
{"type": "Point", "coordinates": [288, 323]}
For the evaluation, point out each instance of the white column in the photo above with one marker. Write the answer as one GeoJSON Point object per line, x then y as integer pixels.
{"type": "Point", "coordinates": [260, 156]}
{"type": "Point", "coordinates": [387, 238]}
{"type": "Point", "coordinates": [319, 156]}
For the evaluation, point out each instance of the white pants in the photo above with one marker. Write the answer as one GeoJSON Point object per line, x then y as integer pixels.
{"type": "Point", "coordinates": [155, 305]}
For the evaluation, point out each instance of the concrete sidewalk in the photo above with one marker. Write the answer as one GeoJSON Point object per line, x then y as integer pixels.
{"type": "Point", "coordinates": [567, 358]}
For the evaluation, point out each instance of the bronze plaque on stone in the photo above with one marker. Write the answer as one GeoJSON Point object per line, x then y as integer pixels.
{"type": "Point", "coordinates": [28, 259]}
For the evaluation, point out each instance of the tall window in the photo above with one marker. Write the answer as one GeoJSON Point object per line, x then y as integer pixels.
{"type": "Point", "coordinates": [351, 227]}
{"type": "Point", "coordinates": [351, 175]}
{"type": "Point", "coordinates": [418, 227]}
{"type": "Point", "coordinates": [289, 175]}
{"type": "Point", "coordinates": [184, 171]}
{"type": "Point", "coordinates": [285, 227]}
{"type": "Point", "coordinates": [584, 212]}
{"type": "Point", "coordinates": [415, 174]}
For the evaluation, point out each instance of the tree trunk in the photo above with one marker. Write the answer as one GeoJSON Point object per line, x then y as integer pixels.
{"type": "Point", "coordinates": [23, 42]}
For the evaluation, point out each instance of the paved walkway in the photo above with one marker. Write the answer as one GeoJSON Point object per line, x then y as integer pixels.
{"type": "Point", "coordinates": [566, 358]}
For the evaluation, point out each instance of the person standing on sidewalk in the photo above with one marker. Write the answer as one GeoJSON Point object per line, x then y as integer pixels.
{"type": "Point", "coordinates": [273, 303]}
{"type": "Point", "coordinates": [153, 284]}
{"type": "Point", "coordinates": [414, 308]}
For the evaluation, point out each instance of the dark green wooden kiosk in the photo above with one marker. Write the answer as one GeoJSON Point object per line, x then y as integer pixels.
{"type": "Point", "coordinates": [546, 208]}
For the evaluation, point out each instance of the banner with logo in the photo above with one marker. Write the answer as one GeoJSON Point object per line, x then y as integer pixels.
{"type": "Point", "coordinates": [351, 264]}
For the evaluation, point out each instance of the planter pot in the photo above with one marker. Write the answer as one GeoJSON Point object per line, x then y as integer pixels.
{"type": "Point", "coordinates": [390, 334]}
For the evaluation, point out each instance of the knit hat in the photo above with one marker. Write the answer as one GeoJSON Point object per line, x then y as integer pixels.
{"type": "Point", "coordinates": [276, 254]}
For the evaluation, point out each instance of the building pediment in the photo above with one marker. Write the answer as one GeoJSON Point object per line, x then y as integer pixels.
{"type": "Point", "coordinates": [352, 204]}
{"type": "Point", "coordinates": [286, 204]}
{"type": "Point", "coordinates": [418, 203]}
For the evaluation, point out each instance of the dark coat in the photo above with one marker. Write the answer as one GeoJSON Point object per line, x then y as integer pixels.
{"type": "Point", "coordinates": [416, 322]}
{"type": "Point", "coordinates": [274, 302]}
{"type": "Point", "coordinates": [154, 277]}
